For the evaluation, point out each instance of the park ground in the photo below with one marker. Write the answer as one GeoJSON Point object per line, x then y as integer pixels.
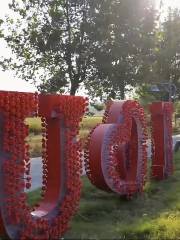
{"type": "Point", "coordinates": [35, 136]}
{"type": "Point", "coordinates": [86, 125]}
{"type": "Point", "coordinates": [155, 214]}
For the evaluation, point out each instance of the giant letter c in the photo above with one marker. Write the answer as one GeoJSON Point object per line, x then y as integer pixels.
{"type": "Point", "coordinates": [116, 156]}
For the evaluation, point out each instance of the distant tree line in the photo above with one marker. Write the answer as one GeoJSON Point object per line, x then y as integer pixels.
{"type": "Point", "coordinates": [107, 46]}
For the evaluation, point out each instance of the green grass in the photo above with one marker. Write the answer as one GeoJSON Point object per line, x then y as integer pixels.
{"type": "Point", "coordinates": [34, 138]}
{"type": "Point", "coordinates": [86, 124]}
{"type": "Point", "coordinates": [34, 197]}
{"type": "Point", "coordinates": [34, 125]}
{"type": "Point", "coordinates": [35, 143]}
{"type": "Point", "coordinates": [153, 215]}
{"type": "Point", "coordinates": [90, 122]}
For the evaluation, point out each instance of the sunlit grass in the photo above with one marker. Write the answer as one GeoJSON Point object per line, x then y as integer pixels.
{"type": "Point", "coordinates": [153, 215]}
{"type": "Point", "coordinates": [35, 137]}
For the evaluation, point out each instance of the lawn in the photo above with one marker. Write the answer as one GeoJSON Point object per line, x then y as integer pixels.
{"type": "Point", "coordinates": [155, 214]}
{"type": "Point", "coordinates": [86, 124]}
{"type": "Point", "coordinates": [34, 138]}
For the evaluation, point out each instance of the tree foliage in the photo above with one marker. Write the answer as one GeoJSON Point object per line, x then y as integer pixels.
{"type": "Point", "coordinates": [63, 43]}
{"type": "Point", "coordinates": [109, 47]}
{"type": "Point", "coordinates": [48, 40]}
{"type": "Point", "coordinates": [123, 37]}
{"type": "Point", "coordinates": [167, 52]}
{"type": "Point", "coordinates": [166, 65]}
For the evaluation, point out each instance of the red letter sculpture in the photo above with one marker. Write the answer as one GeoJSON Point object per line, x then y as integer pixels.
{"type": "Point", "coordinates": [61, 164]}
{"type": "Point", "coordinates": [116, 155]}
{"type": "Point", "coordinates": [115, 158]}
{"type": "Point", "coordinates": [162, 149]}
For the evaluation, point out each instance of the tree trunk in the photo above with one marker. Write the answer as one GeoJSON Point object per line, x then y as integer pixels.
{"type": "Point", "coordinates": [73, 91]}
{"type": "Point", "coordinates": [74, 88]}
{"type": "Point", "coordinates": [112, 95]}
{"type": "Point", "coordinates": [122, 90]}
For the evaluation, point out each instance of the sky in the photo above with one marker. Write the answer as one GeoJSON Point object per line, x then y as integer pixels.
{"type": "Point", "coordinates": [170, 3]}
{"type": "Point", "coordinates": [10, 82]}
{"type": "Point", "coordinates": [7, 79]}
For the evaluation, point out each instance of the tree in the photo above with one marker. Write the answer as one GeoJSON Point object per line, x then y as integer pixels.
{"type": "Point", "coordinates": [61, 44]}
{"type": "Point", "coordinates": [123, 34]}
{"type": "Point", "coordinates": [167, 61]}
{"type": "Point", "coordinates": [49, 43]}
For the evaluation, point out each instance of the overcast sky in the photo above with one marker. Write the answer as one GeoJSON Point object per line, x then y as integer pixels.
{"type": "Point", "coordinates": [7, 80]}
{"type": "Point", "coordinates": [10, 82]}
